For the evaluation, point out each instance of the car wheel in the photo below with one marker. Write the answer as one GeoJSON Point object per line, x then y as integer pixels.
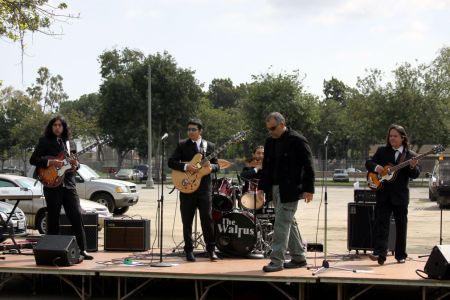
{"type": "Point", "coordinates": [106, 200]}
{"type": "Point", "coordinates": [41, 222]}
{"type": "Point", "coordinates": [121, 210]}
{"type": "Point", "coordinates": [2, 239]}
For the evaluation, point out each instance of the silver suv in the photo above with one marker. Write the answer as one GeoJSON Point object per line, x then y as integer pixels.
{"type": "Point", "coordinates": [439, 183]}
{"type": "Point", "coordinates": [116, 195]}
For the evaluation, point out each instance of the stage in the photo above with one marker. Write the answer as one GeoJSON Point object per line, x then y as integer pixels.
{"type": "Point", "coordinates": [205, 276]}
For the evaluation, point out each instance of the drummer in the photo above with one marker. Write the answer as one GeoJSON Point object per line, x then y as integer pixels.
{"type": "Point", "coordinates": [253, 167]}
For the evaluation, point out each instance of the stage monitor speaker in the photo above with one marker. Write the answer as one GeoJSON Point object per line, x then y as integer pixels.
{"type": "Point", "coordinates": [57, 250]}
{"type": "Point", "coordinates": [127, 235]}
{"type": "Point", "coordinates": [90, 221]}
{"type": "Point", "coordinates": [438, 264]}
{"type": "Point", "coordinates": [360, 225]}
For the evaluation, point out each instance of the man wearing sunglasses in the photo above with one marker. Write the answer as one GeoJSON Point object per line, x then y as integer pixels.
{"type": "Point", "coordinates": [287, 175]}
{"type": "Point", "coordinates": [201, 198]}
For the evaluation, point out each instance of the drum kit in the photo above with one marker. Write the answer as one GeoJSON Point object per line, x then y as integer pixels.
{"type": "Point", "coordinates": [243, 223]}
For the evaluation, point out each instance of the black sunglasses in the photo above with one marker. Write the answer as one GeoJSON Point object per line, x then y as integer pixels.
{"type": "Point", "coordinates": [193, 129]}
{"type": "Point", "coordinates": [273, 127]}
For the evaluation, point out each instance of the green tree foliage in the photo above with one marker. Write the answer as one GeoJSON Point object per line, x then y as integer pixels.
{"type": "Point", "coordinates": [124, 102]}
{"type": "Point", "coordinates": [48, 90]}
{"type": "Point", "coordinates": [223, 94]}
{"type": "Point", "coordinates": [283, 93]}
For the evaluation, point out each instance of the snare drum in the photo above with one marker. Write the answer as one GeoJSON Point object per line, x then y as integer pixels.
{"type": "Point", "coordinates": [222, 198]}
{"type": "Point", "coordinates": [236, 233]}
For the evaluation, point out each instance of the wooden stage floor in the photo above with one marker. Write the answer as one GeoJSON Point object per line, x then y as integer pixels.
{"type": "Point", "coordinates": [363, 272]}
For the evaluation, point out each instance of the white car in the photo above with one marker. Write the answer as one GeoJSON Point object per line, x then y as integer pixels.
{"type": "Point", "coordinates": [36, 210]}
{"type": "Point", "coordinates": [117, 195]}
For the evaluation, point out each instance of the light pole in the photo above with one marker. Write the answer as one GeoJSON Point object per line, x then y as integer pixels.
{"type": "Point", "coordinates": [149, 184]}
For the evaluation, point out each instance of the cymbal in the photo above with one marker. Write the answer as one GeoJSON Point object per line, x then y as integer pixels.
{"type": "Point", "coordinates": [223, 163]}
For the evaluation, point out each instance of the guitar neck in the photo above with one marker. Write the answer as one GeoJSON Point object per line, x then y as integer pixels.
{"type": "Point", "coordinates": [215, 152]}
{"type": "Point", "coordinates": [89, 148]}
{"type": "Point", "coordinates": [405, 163]}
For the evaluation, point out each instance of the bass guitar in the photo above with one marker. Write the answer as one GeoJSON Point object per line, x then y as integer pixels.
{"type": "Point", "coordinates": [375, 180]}
{"type": "Point", "coordinates": [188, 182]}
{"type": "Point", "coordinates": [52, 176]}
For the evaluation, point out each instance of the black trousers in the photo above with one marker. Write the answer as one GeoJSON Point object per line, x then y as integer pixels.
{"type": "Point", "coordinates": [383, 211]}
{"type": "Point", "coordinates": [67, 198]}
{"type": "Point", "coordinates": [189, 203]}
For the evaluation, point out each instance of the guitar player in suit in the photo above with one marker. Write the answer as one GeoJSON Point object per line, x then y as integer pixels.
{"type": "Point", "coordinates": [392, 196]}
{"type": "Point", "coordinates": [54, 141]}
{"type": "Point", "coordinates": [201, 198]}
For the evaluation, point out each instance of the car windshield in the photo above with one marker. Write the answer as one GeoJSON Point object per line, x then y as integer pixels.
{"type": "Point", "coordinates": [87, 173]}
{"type": "Point", "coordinates": [124, 171]}
{"type": "Point", "coordinates": [29, 182]}
{"type": "Point", "coordinates": [338, 171]}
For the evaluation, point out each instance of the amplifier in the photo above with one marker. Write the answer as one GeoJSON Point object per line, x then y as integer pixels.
{"type": "Point", "coordinates": [90, 221]}
{"type": "Point", "coordinates": [360, 225]}
{"type": "Point", "coordinates": [127, 235]}
{"type": "Point", "coordinates": [364, 196]}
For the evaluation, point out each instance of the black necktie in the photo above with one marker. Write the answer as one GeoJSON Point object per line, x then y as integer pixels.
{"type": "Point", "coordinates": [61, 144]}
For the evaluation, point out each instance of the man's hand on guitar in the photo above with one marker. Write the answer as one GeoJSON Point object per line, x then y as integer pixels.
{"type": "Point", "coordinates": [55, 163]}
{"type": "Point", "coordinates": [413, 163]}
{"type": "Point", "coordinates": [191, 168]}
{"type": "Point", "coordinates": [74, 163]}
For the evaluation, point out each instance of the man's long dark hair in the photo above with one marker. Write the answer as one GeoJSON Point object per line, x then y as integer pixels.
{"type": "Point", "coordinates": [49, 128]}
{"type": "Point", "coordinates": [402, 133]}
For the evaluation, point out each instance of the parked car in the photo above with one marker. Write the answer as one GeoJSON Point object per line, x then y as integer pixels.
{"type": "Point", "coordinates": [116, 195]}
{"type": "Point", "coordinates": [341, 175]}
{"type": "Point", "coordinates": [129, 174]}
{"type": "Point", "coordinates": [36, 209]}
{"type": "Point", "coordinates": [143, 169]}
{"type": "Point", "coordinates": [18, 221]}
{"type": "Point", "coordinates": [439, 183]}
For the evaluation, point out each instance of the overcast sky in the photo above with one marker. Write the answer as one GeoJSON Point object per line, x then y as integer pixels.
{"type": "Point", "coordinates": [237, 38]}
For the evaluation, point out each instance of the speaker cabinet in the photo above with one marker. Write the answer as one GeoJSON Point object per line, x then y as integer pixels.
{"type": "Point", "coordinates": [57, 250]}
{"type": "Point", "coordinates": [90, 221]}
{"type": "Point", "coordinates": [127, 235]}
{"type": "Point", "coordinates": [437, 266]}
{"type": "Point", "coordinates": [360, 225]}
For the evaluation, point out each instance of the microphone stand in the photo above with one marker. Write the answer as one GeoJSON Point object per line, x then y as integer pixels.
{"type": "Point", "coordinates": [161, 214]}
{"type": "Point", "coordinates": [325, 263]}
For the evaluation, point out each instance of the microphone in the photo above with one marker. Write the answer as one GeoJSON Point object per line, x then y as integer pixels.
{"type": "Point", "coordinates": [326, 138]}
{"type": "Point", "coordinates": [165, 136]}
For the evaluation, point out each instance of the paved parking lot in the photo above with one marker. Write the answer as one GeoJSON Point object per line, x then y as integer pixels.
{"type": "Point", "coordinates": [423, 227]}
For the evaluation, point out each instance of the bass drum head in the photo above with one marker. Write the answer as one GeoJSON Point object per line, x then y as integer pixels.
{"type": "Point", "coordinates": [235, 233]}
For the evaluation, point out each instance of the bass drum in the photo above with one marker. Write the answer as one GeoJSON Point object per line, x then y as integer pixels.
{"type": "Point", "coordinates": [236, 233]}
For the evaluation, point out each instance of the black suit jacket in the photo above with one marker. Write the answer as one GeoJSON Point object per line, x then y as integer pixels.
{"type": "Point", "coordinates": [296, 169]}
{"type": "Point", "coordinates": [185, 151]}
{"type": "Point", "coordinates": [397, 190]}
{"type": "Point", "coordinates": [49, 147]}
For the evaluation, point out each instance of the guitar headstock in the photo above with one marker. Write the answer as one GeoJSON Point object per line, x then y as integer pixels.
{"type": "Point", "coordinates": [438, 149]}
{"type": "Point", "coordinates": [239, 137]}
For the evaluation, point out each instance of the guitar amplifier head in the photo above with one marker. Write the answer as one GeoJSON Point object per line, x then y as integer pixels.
{"type": "Point", "coordinates": [127, 235]}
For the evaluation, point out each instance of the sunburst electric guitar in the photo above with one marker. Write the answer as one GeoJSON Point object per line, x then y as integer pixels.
{"type": "Point", "coordinates": [52, 176]}
{"type": "Point", "coordinates": [375, 180]}
{"type": "Point", "coordinates": [188, 182]}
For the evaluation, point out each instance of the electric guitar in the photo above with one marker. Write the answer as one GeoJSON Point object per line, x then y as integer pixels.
{"type": "Point", "coordinates": [52, 176]}
{"type": "Point", "coordinates": [375, 180]}
{"type": "Point", "coordinates": [188, 182]}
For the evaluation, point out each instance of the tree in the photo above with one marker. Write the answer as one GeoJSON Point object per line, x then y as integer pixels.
{"type": "Point", "coordinates": [175, 98]}
{"type": "Point", "coordinates": [283, 93]}
{"type": "Point", "coordinates": [222, 93]}
{"type": "Point", "coordinates": [48, 90]}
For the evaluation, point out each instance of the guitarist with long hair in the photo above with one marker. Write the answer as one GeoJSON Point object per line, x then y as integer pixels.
{"type": "Point", "coordinates": [393, 196]}
{"type": "Point", "coordinates": [201, 198]}
{"type": "Point", "coordinates": [55, 141]}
